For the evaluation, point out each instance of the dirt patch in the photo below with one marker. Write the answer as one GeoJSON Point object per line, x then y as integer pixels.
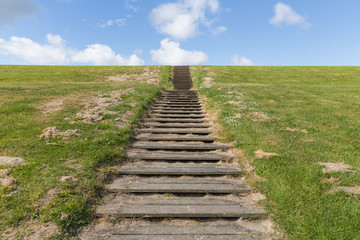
{"type": "Point", "coordinates": [151, 77]}
{"type": "Point", "coordinates": [264, 226]}
{"type": "Point", "coordinates": [52, 132]}
{"type": "Point", "coordinates": [8, 181]}
{"type": "Point", "coordinates": [11, 161]}
{"type": "Point", "coordinates": [31, 230]}
{"type": "Point", "coordinates": [330, 180]}
{"type": "Point", "coordinates": [262, 154]}
{"type": "Point", "coordinates": [334, 167]}
{"type": "Point", "coordinates": [349, 190]}
{"type": "Point", "coordinates": [258, 117]}
{"type": "Point", "coordinates": [207, 81]}
{"type": "Point", "coordinates": [52, 106]}
{"type": "Point", "coordinates": [254, 197]}
{"type": "Point", "coordinates": [96, 108]}
{"type": "Point", "coordinates": [294, 130]}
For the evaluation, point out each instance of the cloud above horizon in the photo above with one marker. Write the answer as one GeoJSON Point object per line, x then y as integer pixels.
{"type": "Point", "coordinates": [241, 61]}
{"type": "Point", "coordinates": [55, 52]}
{"type": "Point", "coordinates": [284, 14]}
{"type": "Point", "coordinates": [181, 20]}
{"type": "Point", "coordinates": [170, 53]}
{"type": "Point", "coordinates": [13, 10]}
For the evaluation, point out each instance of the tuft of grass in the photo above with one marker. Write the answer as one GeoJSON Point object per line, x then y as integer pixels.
{"type": "Point", "coordinates": [88, 157]}
{"type": "Point", "coordinates": [324, 101]}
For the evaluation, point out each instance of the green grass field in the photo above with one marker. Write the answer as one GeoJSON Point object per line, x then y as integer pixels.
{"type": "Point", "coordinates": [258, 106]}
{"type": "Point", "coordinates": [27, 98]}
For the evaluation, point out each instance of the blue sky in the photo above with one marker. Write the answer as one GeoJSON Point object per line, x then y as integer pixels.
{"type": "Point", "coordinates": [176, 32]}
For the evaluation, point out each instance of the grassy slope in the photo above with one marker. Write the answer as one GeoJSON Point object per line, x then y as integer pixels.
{"type": "Point", "coordinates": [323, 100]}
{"type": "Point", "coordinates": [87, 157]}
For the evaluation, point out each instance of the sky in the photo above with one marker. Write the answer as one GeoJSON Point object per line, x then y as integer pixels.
{"type": "Point", "coordinates": [180, 32]}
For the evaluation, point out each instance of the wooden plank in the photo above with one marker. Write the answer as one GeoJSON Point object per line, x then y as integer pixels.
{"type": "Point", "coordinates": [178, 156]}
{"type": "Point", "coordinates": [183, 111]}
{"type": "Point", "coordinates": [178, 115]}
{"type": "Point", "coordinates": [176, 180]}
{"type": "Point", "coordinates": [178, 146]}
{"type": "Point", "coordinates": [179, 171]}
{"type": "Point", "coordinates": [176, 130]}
{"type": "Point", "coordinates": [169, 137]}
{"type": "Point", "coordinates": [184, 120]}
{"type": "Point", "coordinates": [186, 187]}
{"type": "Point", "coordinates": [177, 125]}
{"type": "Point", "coordinates": [126, 199]}
{"type": "Point", "coordinates": [183, 211]}
{"type": "Point", "coordinates": [168, 232]}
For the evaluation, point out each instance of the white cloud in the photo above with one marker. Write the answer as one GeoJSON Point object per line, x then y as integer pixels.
{"type": "Point", "coordinates": [181, 20]}
{"type": "Point", "coordinates": [13, 10]}
{"type": "Point", "coordinates": [170, 53]}
{"type": "Point", "coordinates": [284, 14]}
{"type": "Point", "coordinates": [130, 6]}
{"type": "Point", "coordinates": [219, 30]}
{"type": "Point", "coordinates": [56, 52]}
{"type": "Point", "coordinates": [99, 54]}
{"type": "Point", "coordinates": [120, 22]}
{"type": "Point", "coordinates": [241, 61]}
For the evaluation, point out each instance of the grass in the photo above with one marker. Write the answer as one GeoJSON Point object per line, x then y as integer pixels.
{"type": "Point", "coordinates": [324, 101]}
{"type": "Point", "coordinates": [87, 157]}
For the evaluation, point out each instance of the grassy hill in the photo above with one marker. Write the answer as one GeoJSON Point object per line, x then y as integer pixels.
{"type": "Point", "coordinates": [88, 113]}
{"type": "Point", "coordinates": [306, 115]}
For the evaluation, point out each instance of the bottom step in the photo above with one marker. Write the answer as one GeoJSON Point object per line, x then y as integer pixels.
{"type": "Point", "coordinates": [179, 207]}
{"type": "Point", "coordinates": [166, 232]}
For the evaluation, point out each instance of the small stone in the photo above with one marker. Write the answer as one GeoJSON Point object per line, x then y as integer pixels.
{"type": "Point", "coordinates": [50, 132]}
{"type": "Point", "coordinates": [67, 119]}
{"type": "Point", "coordinates": [262, 154]}
{"type": "Point", "coordinates": [11, 161]}
{"type": "Point", "coordinates": [67, 179]}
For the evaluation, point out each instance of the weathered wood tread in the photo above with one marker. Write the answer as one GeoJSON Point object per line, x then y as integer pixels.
{"type": "Point", "coordinates": [177, 186]}
{"type": "Point", "coordinates": [178, 156]}
{"type": "Point", "coordinates": [182, 211]}
{"type": "Point", "coordinates": [178, 115]}
{"type": "Point", "coordinates": [177, 125]}
{"type": "Point", "coordinates": [184, 120]}
{"type": "Point", "coordinates": [178, 146]}
{"type": "Point", "coordinates": [180, 171]}
{"type": "Point", "coordinates": [169, 137]}
{"type": "Point", "coordinates": [165, 111]}
{"type": "Point", "coordinates": [176, 130]}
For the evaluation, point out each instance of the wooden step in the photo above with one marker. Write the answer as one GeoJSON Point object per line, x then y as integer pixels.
{"type": "Point", "coordinates": [176, 130]}
{"type": "Point", "coordinates": [178, 115]}
{"type": "Point", "coordinates": [185, 111]}
{"type": "Point", "coordinates": [159, 231]}
{"type": "Point", "coordinates": [177, 125]}
{"type": "Point", "coordinates": [177, 105]}
{"type": "Point", "coordinates": [178, 146]}
{"type": "Point", "coordinates": [178, 156]}
{"type": "Point", "coordinates": [183, 120]}
{"type": "Point", "coordinates": [181, 211]}
{"type": "Point", "coordinates": [171, 185]}
{"type": "Point", "coordinates": [180, 169]}
{"type": "Point", "coordinates": [169, 137]}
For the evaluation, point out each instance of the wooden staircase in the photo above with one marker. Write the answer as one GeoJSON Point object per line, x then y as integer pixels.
{"type": "Point", "coordinates": [180, 174]}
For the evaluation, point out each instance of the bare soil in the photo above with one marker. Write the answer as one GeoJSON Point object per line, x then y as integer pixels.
{"type": "Point", "coordinates": [334, 167]}
{"type": "Point", "coordinates": [262, 154]}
